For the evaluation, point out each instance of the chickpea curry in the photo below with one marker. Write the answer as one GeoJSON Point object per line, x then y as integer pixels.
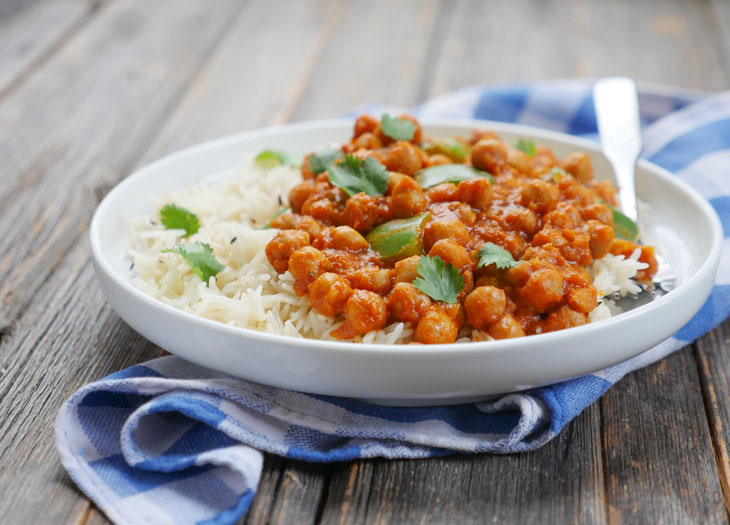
{"type": "Point", "coordinates": [463, 237]}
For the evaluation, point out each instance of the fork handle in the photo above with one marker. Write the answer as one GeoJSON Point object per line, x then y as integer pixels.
{"type": "Point", "coordinates": [617, 113]}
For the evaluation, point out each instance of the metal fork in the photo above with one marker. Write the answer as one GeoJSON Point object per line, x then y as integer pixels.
{"type": "Point", "coordinates": [617, 113]}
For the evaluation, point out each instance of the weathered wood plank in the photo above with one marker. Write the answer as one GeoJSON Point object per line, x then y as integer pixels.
{"type": "Point", "coordinates": [678, 42]}
{"type": "Point", "coordinates": [525, 41]}
{"type": "Point", "coordinates": [60, 351]}
{"type": "Point", "coordinates": [720, 32]}
{"type": "Point", "coordinates": [296, 497]}
{"type": "Point", "coordinates": [74, 83]}
{"type": "Point", "coordinates": [550, 485]}
{"type": "Point", "coordinates": [255, 74]}
{"type": "Point", "coordinates": [377, 55]}
{"type": "Point", "coordinates": [658, 459]}
{"type": "Point", "coordinates": [504, 42]}
{"type": "Point", "coordinates": [29, 35]}
{"type": "Point", "coordinates": [28, 353]}
{"type": "Point", "coordinates": [713, 357]}
{"type": "Point", "coordinates": [83, 119]}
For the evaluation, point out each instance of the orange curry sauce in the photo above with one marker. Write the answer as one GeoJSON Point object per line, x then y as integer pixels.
{"type": "Point", "coordinates": [552, 221]}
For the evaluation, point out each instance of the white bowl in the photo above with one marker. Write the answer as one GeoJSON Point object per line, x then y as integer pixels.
{"type": "Point", "coordinates": [679, 222]}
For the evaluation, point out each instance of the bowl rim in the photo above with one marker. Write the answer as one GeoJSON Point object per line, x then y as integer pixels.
{"type": "Point", "coordinates": [376, 349]}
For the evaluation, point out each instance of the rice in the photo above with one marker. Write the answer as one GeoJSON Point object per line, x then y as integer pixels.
{"type": "Point", "coordinates": [249, 293]}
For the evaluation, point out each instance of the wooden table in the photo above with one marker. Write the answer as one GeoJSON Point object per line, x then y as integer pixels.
{"type": "Point", "coordinates": [90, 90]}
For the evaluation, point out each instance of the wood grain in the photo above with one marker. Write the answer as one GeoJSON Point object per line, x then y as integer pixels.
{"type": "Point", "coordinates": [658, 459]}
{"type": "Point", "coordinates": [136, 80]}
{"type": "Point", "coordinates": [376, 55]}
{"type": "Point", "coordinates": [82, 121]}
{"type": "Point", "coordinates": [33, 31]}
{"type": "Point", "coordinates": [713, 359]}
{"type": "Point", "coordinates": [70, 335]}
{"type": "Point", "coordinates": [559, 483]}
{"type": "Point", "coordinates": [504, 42]}
{"type": "Point", "coordinates": [671, 42]}
{"type": "Point", "coordinates": [27, 371]}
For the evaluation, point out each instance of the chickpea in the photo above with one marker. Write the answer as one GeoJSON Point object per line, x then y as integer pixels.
{"type": "Point", "coordinates": [506, 327]}
{"type": "Point", "coordinates": [305, 265]}
{"type": "Point", "coordinates": [540, 196]}
{"type": "Point", "coordinates": [517, 218]}
{"type": "Point", "coordinates": [328, 293]}
{"type": "Point", "coordinates": [481, 134]}
{"type": "Point", "coordinates": [577, 247]}
{"type": "Point", "coordinates": [445, 229]}
{"type": "Point", "coordinates": [294, 221]}
{"type": "Point", "coordinates": [307, 172]}
{"type": "Point", "coordinates": [299, 194]}
{"type": "Point", "coordinates": [477, 192]}
{"type": "Point", "coordinates": [403, 157]}
{"type": "Point", "coordinates": [407, 303]}
{"type": "Point", "coordinates": [283, 245]}
{"type": "Point", "coordinates": [438, 159]}
{"type": "Point", "coordinates": [378, 280]}
{"type": "Point", "coordinates": [579, 165]}
{"type": "Point", "coordinates": [435, 327]}
{"type": "Point", "coordinates": [360, 212]}
{"type": "Point", "coordinates": [405, 269]}
{"type": "Point", "coordinates": [365, 124]}
{"type": "Point", "coordinates": [468, 284]}
{"type": "Point", "coordinates": [563, 317]}
{"type": "Point", "coordinates": [520, 161]}
{"type": "Point", "coordinates": [544, 159]}
{"type": "Point", "coordinates": [346, 238]}
{"type": "Point", "coordinates": [566, 215]}
{"type": "Point", "coordinates": [543, 289]}
{"type": "Point", "coordinates": [365, 311]}
{"type": "Point", "coordinates": [602, 236]}
{"type": "Point", "coordinates": [489, 155]}
{"type": "Point", "coordinates": [442, 192]}
{"type": "Point", "coordinates": [582, 300]}
{"type": "Point", "coordinates": [407, 198]}
{"type": "Point", "coordinates": [485, 305]}
{"type": "Point", "coordinates": [451, 252]}
{"type": "Point", "coordinates": [453, 210]}
{"type": "Point", "coordinates": [393, 179]}
{"type": "Point", "coordinates": [321, 209]}
{"type": "Point", "coordinates": [605, 190]}
{"type": "Point", "coordinates": [598, 212]}
{"type": "Point", "coordinates": [366, 141]}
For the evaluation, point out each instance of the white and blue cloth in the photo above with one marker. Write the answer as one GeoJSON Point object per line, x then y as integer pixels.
{"type": "Point", "coordinates": [170, 442]}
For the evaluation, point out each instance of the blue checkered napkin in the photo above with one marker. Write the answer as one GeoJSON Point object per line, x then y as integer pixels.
{"type": "Point", "coordinates": [170, 442]}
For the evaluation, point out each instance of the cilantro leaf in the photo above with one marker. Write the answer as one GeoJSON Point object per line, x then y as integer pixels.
{"type": "Point", "coordinates": [354, 175]}
{"type": "Point", "coordinates": [397, 128]}
{"type": "Point", "coordinates": [623, 227]}
{"type": "Point", "coordinates": [178, 218]}
{"type": "Point", "coordinates": [437, 280]}
{"type": "Point", "coordinates": [321, 160]}
{"type": "Point", "coordinates": [490, 253]}
{"type": "Point", "coordinates": [455, 173]}
{"type": "Point", "coordinates": [527, 146]}
{"type": "Point", "coordinates": [270, 158]}
{"type": "Point", "coordinates": [199, 256]}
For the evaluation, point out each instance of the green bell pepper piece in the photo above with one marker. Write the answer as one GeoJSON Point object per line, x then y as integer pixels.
{"type": "Point", "coordinates": [398, 239]}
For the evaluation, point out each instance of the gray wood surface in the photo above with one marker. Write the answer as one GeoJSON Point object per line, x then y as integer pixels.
{"type": "Point", "coordinates": [91, 90]}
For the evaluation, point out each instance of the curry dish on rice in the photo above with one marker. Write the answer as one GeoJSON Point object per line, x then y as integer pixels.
{"type": "Point", "coordinates": [448, 235]}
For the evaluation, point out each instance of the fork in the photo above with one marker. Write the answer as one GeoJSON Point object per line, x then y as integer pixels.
{"type": "Point", "coordinates": [617, 112]}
